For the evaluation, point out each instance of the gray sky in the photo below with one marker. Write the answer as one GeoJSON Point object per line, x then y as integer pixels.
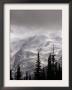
{"type": "Point", "coordinates": [35, 29]}
{"type": "Point", "coordinates": [36, 19]}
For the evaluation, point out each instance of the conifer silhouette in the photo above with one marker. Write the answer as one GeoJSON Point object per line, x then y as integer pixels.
{"type": "Point", "coordinates": [38, 68]}
{"type": "Point", "coordinates": [29, 77]}
{"type": "Point", "coordinates": [18, 73]}
{"type": "Point", "coordinates": [26, 76]}
{"type": "Point", "coordinates": [11, 78]}
{"type": "Point", "coordinates": [43, 74]}
{"type": "Point", "coordinates": [49, 69]}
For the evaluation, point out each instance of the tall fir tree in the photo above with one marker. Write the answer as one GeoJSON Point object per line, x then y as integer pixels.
{"type": "Point", "coordinates": [38, 68]}
{"type": "Point", "coordinates": [60, 72]}
{"type": "Point", "coordinates": [43, 74]}
{"type": "Point", "coordinates": [56, 71]}
{"type": "Point", "coordinates": [26, 76]}
{"type": "Point", "coordinates": [53, 65]}
{"type": "Point", "coordinates": [29, 77]}
{"type": "Point", "coordinates": [53, 56]}
{"type": "Point", "coordinates": [11, 78]}
{"type": "Point", "coordinates": [49, 68]}
{"type": "Point", "coordinates": [18, 73]}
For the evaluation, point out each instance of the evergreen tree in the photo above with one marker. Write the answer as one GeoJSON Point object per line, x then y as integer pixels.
{"type": "Point", "coordinates": [43, 74]}
{"type": "Point", "coordinates": [49, 70]}
{"type": "Point", "coordinates": [51, 66]}
{"type": "Point", "coordinates": [18, 73]}
{"type": "Point", "coordinates": [56, 71]}
{"type": "Point", "coordinates": [11, 78]}
{"type": "Point", "coordinates": [53, 56]}
{"type": "Point", "coordinates": [26, 76]}
{"type": "Point", "coordinates": [38, 68]}
{"type": "Point", "coordinates": [29, 77]}
{"type": "Point", "coordinates": [60, 73]}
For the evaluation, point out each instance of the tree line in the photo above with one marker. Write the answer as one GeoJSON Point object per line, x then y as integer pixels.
{"type": "Point", "coordinates": [53, 70]}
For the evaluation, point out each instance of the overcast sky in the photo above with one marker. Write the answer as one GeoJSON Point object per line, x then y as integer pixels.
{"type": "Point", "coordinates": [36, 20]}
{"type": "Point", "coordinates": [32, 30]}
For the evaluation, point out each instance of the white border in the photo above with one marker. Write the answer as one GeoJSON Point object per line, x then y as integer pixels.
{"type": "Point", "coordinates": [65, 46]}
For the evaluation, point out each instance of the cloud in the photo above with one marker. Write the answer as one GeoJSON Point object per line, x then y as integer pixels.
{"type": "Point", "coordinates": [36, 19]}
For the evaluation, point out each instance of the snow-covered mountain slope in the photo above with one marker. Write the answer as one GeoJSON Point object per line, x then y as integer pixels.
{"type": "Point", "coordinates": [24, 51]}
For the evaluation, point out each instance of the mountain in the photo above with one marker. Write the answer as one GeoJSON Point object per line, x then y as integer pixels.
{"type": "Point", "coordinates": [24, 51]}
